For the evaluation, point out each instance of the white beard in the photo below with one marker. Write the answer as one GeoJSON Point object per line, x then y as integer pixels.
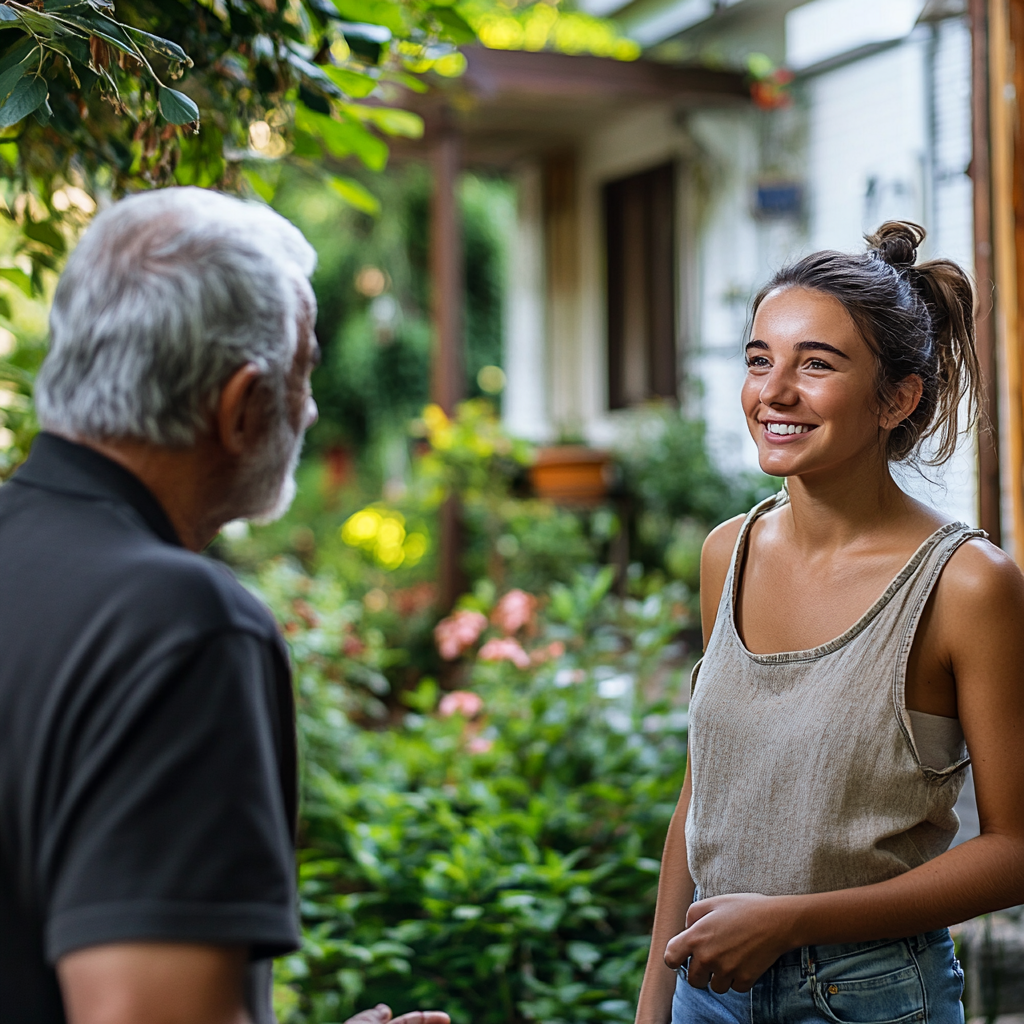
{"type": "Point", "coordinates": [266, 486]}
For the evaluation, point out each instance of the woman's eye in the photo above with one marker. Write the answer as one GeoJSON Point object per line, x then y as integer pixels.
{"type": "Point", "coordinates": [757, 361]}
{"type": "Point", "coordinates": [818, 364]}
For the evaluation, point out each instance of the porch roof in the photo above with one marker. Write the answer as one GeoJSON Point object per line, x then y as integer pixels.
{"type": "Point", "coordinates": [511, 104]}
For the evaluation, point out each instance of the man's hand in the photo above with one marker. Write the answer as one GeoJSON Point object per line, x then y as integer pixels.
{"type": "Point", "coordinates": [731, 941]}
{"type": "Point", "coordinates": [381, 1014]}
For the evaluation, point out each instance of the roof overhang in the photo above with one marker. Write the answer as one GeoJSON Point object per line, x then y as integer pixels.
{"type": "Point", "coordinates": [513, 104]}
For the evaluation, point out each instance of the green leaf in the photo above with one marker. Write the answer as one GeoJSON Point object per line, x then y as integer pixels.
{"type": "Point", "coordinates": [176, 106]}
{"type": "Point", "coordinates": [455, 28]}
{"type": "Point", "coordinates": [343, 138]}
{"type": "Point", "coordinates": [17, 54]}
{"type": "Point", "coordinates": [390, 120]}
{"type": "Point", "coordinates": [97, 25]}
{"type": "Point", "coordinates": [10, 78]}
{"type": "Point", "coordinates": [43, 112]}
{"type": "Point", "coordinates": [46, 234]}
{"type": "Point", "coordinates": [202, 158]}
{"type": "Point", "coordinates": [374, 12]}
{"type": "Point", "coordinates": [18, 278]}
{"type": "Point", "coordinates": [63, 5]}
{"type": "Point", "coordinates": [263, 188]}
{"type": "Point", "coordinates": [405, 79]}
{"type": "Point", "coordinates": [355, 194]}
{"type": "Point", "coordinates": [172, 51]}
{"type": "Point", "coordinates": [28, 94]}
{"type": "Point", "coordinates": [352, 83]}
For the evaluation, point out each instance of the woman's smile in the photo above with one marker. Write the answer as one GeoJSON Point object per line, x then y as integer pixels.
{"type": "Point", "coordinates": [783, 432]}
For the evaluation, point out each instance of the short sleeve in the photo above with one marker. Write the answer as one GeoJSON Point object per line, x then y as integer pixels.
{"type": "Point", "coordinates": [172, 824]}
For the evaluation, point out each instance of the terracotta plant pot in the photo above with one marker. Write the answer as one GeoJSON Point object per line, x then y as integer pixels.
{"type": "Point", "coordinates": [571, 475]}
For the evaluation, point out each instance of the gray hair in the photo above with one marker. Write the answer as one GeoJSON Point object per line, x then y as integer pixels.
{"type": "Point", "coordinates": [167, 294]}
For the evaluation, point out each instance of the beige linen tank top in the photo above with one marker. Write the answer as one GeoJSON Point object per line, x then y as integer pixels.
{"type": "Point", "coordinates": [805, 774]}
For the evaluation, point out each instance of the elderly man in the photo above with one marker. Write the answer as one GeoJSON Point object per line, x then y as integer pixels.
{"type": "Point", "coordinates": [147, 748]}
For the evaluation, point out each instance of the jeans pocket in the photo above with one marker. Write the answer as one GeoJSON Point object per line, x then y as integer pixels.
{"type": "Point", "coordinates": [879, 986]}
{"type": "Point", "coordinates": [958, 971]}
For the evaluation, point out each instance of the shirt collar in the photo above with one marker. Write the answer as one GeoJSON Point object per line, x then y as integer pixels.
{"type": "Point", "coordinates": [56, 464]}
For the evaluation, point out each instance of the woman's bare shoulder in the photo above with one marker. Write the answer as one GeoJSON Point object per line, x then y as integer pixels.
{"type": "Point", "coordinates": [719, 546]}
{"type": "Point", "coordinates": [980, 574]}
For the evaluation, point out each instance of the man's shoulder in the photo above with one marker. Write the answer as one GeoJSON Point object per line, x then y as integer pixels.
{"type": "Point", "coordinates": [199, 594]}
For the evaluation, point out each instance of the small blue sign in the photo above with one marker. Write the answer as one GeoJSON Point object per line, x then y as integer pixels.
{"type": "Point", "coordinates": [779, 199]}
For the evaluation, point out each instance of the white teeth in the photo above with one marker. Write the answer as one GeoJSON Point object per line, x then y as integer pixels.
{"type": "Point", "coordinates": [786, 428]}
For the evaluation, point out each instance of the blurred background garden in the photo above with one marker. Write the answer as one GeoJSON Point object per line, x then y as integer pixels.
{"type": "Point", "coordinates": [539, 225]}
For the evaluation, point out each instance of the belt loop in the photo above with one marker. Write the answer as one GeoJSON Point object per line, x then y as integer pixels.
{"type": "Point", "coordinates": [806, 962]}
{"type": "Point", "coordinates": [920, 942]}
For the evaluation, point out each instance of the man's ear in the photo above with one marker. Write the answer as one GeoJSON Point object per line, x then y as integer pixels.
{"type": "Point", "coordinates": [904, 401]}
{"type": "Point", "coordinates": [238, 410]}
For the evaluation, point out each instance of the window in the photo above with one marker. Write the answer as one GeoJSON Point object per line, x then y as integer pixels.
{"type": "Point", "coordinates": [640, 237]}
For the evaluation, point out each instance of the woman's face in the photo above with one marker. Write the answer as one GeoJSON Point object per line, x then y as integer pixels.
{"type": "Point", "coordinates": [810, 393]}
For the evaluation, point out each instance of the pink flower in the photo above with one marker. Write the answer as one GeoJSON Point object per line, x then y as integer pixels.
{"type": "Point", "coordinates": [505, 650]}
{"type": "Point", "coordinates": [460, 702]}
{"type": "Point", "coordinates": [514, 611]}
{"type": "Point", "coordinates": [479, 745]}
{"type": "Point", "coordinates": [555, 649]}
{"type": "Point", "coordinates": [457, 632]}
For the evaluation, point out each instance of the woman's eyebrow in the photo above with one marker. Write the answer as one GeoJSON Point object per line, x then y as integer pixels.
{"type": "Point", "coordinates": [819, 346]}
{"type": "Point", "coordinates": [800, 346]}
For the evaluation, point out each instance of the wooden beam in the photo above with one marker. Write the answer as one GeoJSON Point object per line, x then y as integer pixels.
{"type": "Point", "coordinates": [989, 487]}
{"type": "Point", "coordinates": [447, 379]}
{"type": "Point", "coordinates": [1006, 212]}
{"type": "Point", "coordinates": [447, 386]}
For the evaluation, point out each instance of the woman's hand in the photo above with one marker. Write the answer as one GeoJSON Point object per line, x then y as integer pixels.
{"type": "Point", "coordinates": [731, 940]}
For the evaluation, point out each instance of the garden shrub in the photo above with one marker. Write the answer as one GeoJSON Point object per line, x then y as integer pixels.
{"type": "Point", "coordinates": [493, 852]}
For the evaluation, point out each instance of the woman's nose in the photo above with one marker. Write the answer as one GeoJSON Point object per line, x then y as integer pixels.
{"type": "Point", "coordinates": [779, 388]}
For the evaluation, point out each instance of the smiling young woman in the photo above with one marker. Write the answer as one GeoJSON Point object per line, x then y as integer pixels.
{"type": "Point", "coordinates": [858, 646]}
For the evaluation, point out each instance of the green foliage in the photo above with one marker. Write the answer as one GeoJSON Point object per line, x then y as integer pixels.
{"type": "Point", "coordinates": [493, 855]}
{"type": "Point", "coordinates": [375, 372]}
{"type": "Point", "coordinates": [669, 467]}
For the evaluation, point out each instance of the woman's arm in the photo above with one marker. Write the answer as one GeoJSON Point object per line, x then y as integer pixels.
{"type": "Point", "coordinates": [675, 886]}
{"type": "Point", "coordinates": [978, 625]}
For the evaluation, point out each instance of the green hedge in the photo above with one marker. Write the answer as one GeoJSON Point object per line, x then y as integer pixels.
{"type": "Point", "coordinates": [500, 865]}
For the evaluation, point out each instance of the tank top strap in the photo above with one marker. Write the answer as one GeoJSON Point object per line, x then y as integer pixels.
{"type": "Point", "coordinates": [906, 596]}
{"type": "Point", "coordinates": [926, 565]}
{"type": "Point", "coordinates": [724, 618]}
{"type": "Point", "coordinates": [728, 599]}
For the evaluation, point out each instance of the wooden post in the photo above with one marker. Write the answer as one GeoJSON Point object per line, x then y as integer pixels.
{"type": "Point", "coordinates": [447, 385]}
{"type": "Point", "coordinates": [989, 487]}
{"type": "Point", "coordinates": [447, 373]}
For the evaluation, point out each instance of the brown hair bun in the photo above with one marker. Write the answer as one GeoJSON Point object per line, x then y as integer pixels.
{"type": "Point", "coordinates": [896, 243]}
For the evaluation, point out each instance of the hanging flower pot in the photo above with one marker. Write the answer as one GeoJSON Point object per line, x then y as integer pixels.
{"type": "Point", "coordinates": [571, 475]}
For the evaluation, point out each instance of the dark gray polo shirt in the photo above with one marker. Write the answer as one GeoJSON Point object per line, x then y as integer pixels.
{"type": "Point", "coordinates": [147, 746]}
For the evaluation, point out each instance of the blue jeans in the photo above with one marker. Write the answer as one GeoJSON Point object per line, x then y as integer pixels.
{"type": "Point", "coordinates": [909, 981]}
